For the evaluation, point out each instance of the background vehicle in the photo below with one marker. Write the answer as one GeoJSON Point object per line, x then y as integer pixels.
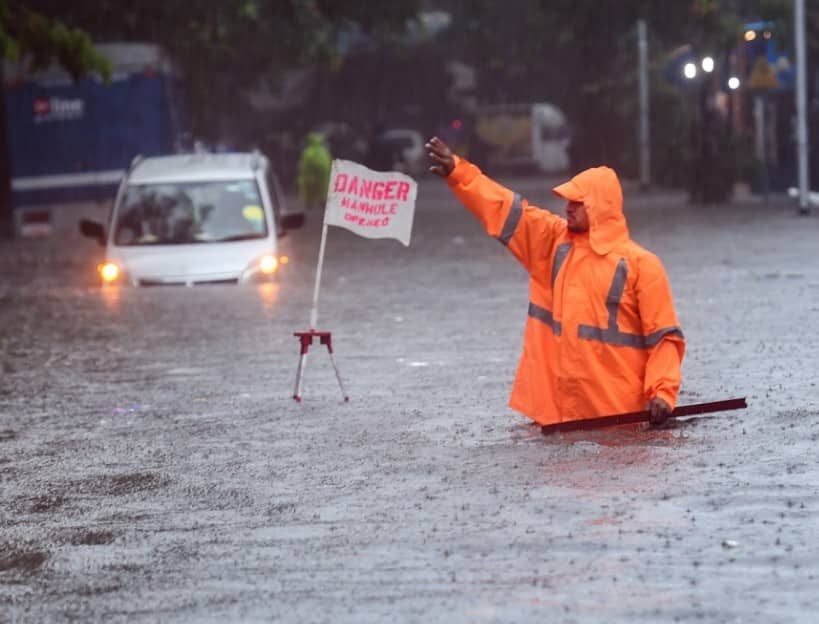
{"type": "Point", "coordinates": [407, 147]}
{"type": "Point", "coordinates": [521, 135]}
{"type": "Point", "coordinates": [343, 140]}
{"type": "Point", "coordinates": [194, 219]}
{"type": "Point", "coordinates": [69, 143]}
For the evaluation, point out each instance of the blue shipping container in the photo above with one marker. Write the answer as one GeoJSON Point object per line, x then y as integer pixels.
{"type": "Point", "coordinates": [72, 141]}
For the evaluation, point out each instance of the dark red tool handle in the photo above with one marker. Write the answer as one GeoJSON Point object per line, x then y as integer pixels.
{"type": "Point", "coordinates": [644, 416]}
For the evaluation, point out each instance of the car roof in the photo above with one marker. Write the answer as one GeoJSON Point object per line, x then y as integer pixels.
{"type": "Point", "coordinates": [200, 167]}
{"type": "Point", "coordinates": [402, 132]}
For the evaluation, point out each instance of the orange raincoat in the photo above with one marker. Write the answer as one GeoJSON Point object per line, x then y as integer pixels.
{"type": "Point", "coordinates": [602, 336]}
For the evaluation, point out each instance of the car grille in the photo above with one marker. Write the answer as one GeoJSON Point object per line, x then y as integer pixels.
{"type": "Point", "coordinates": [148, 282]}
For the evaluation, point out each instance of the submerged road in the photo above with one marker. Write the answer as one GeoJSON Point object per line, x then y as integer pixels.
{"type": "Point", "coordinates": [154, 468]}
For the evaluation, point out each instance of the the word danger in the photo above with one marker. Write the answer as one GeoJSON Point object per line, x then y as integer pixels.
{"type": "Point", "coordinates": [368, 189]}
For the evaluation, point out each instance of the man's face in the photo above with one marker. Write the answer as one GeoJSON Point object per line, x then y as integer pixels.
{"type": "Point", "coordinates": [576, 217]}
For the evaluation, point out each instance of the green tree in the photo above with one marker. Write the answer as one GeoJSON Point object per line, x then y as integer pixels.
{"type": "Point", "coordinates": [223, 48]}
{"type": "Point", "coordinates": [43, 41]}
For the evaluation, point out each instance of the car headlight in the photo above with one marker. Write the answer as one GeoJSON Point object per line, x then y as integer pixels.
{"type": "Point", "coordinates": [263, 268]}
{"type": "Point", "coordinates": [268, 264]}
{"type": "Point", "coordinates": [109, 272]}
{"type": "Point", "coordinates": [113, 274]}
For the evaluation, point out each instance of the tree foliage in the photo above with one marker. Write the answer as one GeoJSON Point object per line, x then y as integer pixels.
{"type": "Point", "coordinates": [224, 48]}
{"type": "Point", "coordinates": [582, 55]}
{"type": "Point", "coordinates": [42, 41]}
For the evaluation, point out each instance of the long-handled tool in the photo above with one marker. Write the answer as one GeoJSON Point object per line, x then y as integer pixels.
{"type": "Point", "coordinates": [643, 416]}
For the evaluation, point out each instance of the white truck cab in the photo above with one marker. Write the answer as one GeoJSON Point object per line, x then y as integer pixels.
{"type": "Point", "coordinates": [194, 219]}
{"type": "Point", "coordinates": [525, 135]}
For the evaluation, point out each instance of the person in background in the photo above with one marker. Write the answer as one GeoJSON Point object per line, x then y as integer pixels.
{"type": "Point", "coordinates": [314, 172]}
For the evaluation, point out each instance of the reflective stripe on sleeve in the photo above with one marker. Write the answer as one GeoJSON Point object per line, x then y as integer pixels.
{"type": "Point", "coordinates": [544, 316]}
{"type": "Point", "coordinates": [512, 220]}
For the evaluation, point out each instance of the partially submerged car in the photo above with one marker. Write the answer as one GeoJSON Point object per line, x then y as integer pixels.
{"type": "Point", "coordinates": [195, 219]}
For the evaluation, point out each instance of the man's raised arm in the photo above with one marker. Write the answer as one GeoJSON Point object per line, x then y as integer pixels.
{"type": "Point", "coordinates": [504, 215]}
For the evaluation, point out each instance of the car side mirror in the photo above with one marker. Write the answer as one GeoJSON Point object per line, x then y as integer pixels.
{"type": "Point", "coordinates": [292, 221]}
{"type": "Point", "coordinates": [94, 230]}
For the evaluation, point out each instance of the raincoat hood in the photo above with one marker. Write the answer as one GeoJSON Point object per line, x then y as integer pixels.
{"type": "Point", "coordinates": [599, 190]}
{"type": "Point", "coordinates": [315, 139]}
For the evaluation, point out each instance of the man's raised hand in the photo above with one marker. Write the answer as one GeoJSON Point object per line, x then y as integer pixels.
{"type": "Point", "coordinates": [441, 155]}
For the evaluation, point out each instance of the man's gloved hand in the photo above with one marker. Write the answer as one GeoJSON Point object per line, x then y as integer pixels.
{"type": "Point", "coordinates": [442, 155]}
{"type": "Point", "coordinates": [659, 411]}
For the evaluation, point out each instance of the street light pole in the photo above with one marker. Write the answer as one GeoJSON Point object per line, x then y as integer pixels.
{"type": "Point", "coordinates": [801, 112]}
{"type": "Point", "coordinates": [645, 143]}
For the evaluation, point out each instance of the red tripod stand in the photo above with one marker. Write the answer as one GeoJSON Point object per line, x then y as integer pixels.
{"type": "Point", "coordinates": [306, 339]}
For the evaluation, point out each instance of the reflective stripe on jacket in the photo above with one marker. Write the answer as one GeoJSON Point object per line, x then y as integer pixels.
{"type": "Point", "coordinates": [601, 336]}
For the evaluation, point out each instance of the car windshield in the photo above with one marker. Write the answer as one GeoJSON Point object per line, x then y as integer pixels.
{"type": "Point", "coordinates": [192, 212]}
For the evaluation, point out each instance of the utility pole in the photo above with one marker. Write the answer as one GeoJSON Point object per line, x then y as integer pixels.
{"type": "Point", "coordinates": [6, 215]}
{"type": "Point", "coordinates": [801, 108]}
{"type": "Point", "coordinates": [645, 144]}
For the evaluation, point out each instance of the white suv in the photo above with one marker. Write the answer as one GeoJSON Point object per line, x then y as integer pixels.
{"type": "Point", "coordinates": [194, 219]}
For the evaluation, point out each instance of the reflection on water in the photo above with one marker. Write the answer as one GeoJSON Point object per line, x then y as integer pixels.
{"type": "Point", "coordinates": [639, 434]}
{"type": "Point", "coordinates": [622, 458]}
{"type": "Point", "coordinates": [268, 293]}
{"type": "Point", "coordinates": [111, 296]}
{"type": "Point", "coordinates": [622, 435]}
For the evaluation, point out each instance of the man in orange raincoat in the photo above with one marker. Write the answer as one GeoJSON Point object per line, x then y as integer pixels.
{"type": "Point", "coordinates": [601, 336]}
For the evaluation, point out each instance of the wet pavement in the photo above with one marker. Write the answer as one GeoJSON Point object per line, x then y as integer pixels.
{"type": "Point", "coordinates": [154, 467]}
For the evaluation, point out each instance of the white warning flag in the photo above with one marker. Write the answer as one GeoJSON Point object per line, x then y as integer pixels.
{"type": "Point", "coordinates": [373, 204]}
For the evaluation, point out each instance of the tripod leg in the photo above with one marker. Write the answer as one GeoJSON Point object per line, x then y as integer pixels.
{"type": "Point", "coordinates": [300, 376]}
{"type": "Point", "coordinates": [338, 375]}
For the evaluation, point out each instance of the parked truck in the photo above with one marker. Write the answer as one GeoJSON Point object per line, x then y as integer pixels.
{"type": "Point", "coordinates": [524, 135]}
{"type": "Point", "coordinates": [70, 143]}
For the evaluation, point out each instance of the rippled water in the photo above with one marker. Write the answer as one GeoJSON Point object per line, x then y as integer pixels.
{"type": "Point", "coordinates": [153, 466]}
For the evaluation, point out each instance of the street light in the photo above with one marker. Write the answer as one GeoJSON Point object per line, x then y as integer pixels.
{"type": "Point", "coordinates": [707, 64]}
{"type": "Point", "coordinates": [690, 71]}
{"type": "Point", "coordinates": [733, 83]}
